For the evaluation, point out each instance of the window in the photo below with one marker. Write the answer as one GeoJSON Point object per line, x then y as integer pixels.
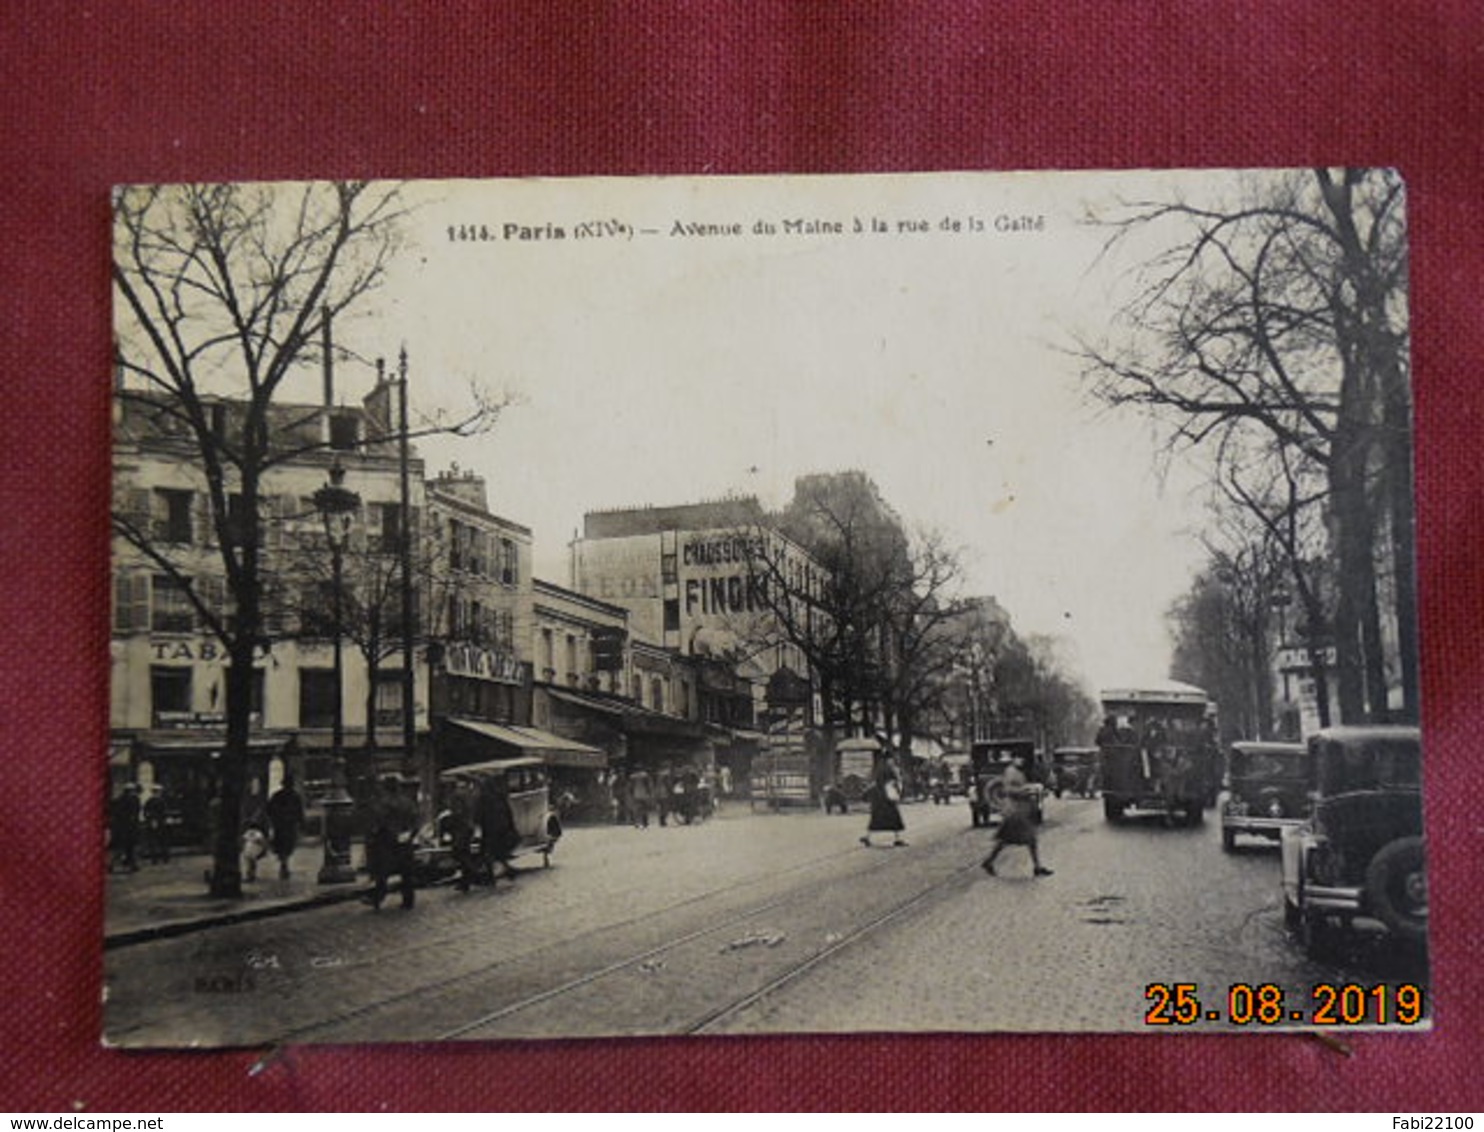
{"type": "Point", "coordinates": [455, 544]}
{"type": "Point", "coordinates": [316, 697]}
{"type": "Point", "coordinates": [672, 615]}
{"type": "Point", "coordinates": [509, 562]}
{"type": "Point", "coordinates": [317, 610]}
{"type": "Point", "coordinates": [389, 698]}
{"type": "Point", "coordinates": [345, 431]}
{"type": "Point", "coordinates": [238, 527]}
{"type": "Point", "coordinates": [657, 694]}
{"type": "Point", "coordinates": [548, 654]}
{"type": "Point", "coordinates": [169, 695]}
{"type": "Point", "coordinates": [571, 657]}
{"type": "Point", "coordinates": [667, 567]}
{"type": "Point", "coordinates": [171, 610]}
{"type": "Point", "coordinates": [172, 515]}
{"type": "Point", "coordinates": [386, 527]}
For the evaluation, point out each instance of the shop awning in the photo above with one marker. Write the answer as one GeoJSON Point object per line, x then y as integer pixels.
{"type": "Point", "coordinates": [532, 741]}
{"type": "Point", "coordinates": [634, 720]}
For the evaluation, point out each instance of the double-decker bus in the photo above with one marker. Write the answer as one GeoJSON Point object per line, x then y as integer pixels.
{"type": "Point", "coordinates": [1157, 751]}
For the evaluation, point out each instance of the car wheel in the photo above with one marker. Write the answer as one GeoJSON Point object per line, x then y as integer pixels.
{"type": "Point", "coordinates": [1319, 936]}
{"type": "Point", "coordinates": [1113, 810]}
{"type": "Point", "coordinates": [1228, 840]}
{"type": "Point", "coordinates": [1396, 887]}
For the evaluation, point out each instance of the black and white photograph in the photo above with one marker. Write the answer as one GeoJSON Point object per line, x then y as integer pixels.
{"type": "Point", "coordinates": [893, 603]}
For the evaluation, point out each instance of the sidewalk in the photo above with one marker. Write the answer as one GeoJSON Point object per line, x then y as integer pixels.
{"type": "Point", "coordinates": [172, 898]}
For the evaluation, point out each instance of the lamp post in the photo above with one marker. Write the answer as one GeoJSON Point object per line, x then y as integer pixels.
{"type": "Point", "coordinates": [337, 507]}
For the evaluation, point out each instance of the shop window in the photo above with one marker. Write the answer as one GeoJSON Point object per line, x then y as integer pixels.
{"type": "Point", "coordinates": [317, 697]}
{"type": "Point", "coordinates": [171, 610]}
{"type": "Point", "coordinates": [169, 695]}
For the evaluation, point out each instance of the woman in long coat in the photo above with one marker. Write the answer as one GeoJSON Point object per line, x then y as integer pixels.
{"type": "Point", "coordinates": [886, 815]}
{"type": "Point", "coordinates": [1017, 821]}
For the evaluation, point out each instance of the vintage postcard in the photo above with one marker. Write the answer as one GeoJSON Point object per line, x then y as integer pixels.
{"type": "Point", "coordinates": [614, 607]}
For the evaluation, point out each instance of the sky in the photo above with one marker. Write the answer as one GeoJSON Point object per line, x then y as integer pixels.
{"type": "Point", "coordinates": [651, 361]}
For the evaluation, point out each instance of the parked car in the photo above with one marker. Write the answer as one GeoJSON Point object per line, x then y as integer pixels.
{"type": "Point", "coordinates": [1357, 862]}
{"type": "Point", "coordinates": [1267, 790]}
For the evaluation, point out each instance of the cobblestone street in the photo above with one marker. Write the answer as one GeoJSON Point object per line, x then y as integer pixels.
{"type": "Point", "coordinates": [750, 922]}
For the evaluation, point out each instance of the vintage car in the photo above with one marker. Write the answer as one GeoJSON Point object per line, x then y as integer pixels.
{"type": "Point", "coordinates": [523, 784]}
{"type": "Point", "coordinates": [989, 758]}
{"type": "Point", "coordinates": [1267, 790]}
{"type": "Point", "coordinates": [1074, 770]}
{"type": "Point", "coordinates": [1357, 861]}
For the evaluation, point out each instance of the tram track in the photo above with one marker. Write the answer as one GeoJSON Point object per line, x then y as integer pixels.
{"type": "Point", "coordinates": [817, 873]}
{"type": "Point", "coordinates": [713, 1014]}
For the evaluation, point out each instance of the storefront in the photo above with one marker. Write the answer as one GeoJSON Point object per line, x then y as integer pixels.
{"type": "Point", "coordinates": [184, 768]}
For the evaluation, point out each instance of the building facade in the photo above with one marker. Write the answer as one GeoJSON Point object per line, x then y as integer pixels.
{"type": "Point", "coordinates": [168, 666]}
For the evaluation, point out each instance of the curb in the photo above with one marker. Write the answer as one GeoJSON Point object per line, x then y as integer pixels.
{"type": "Point", "coordinates": [238, 916]}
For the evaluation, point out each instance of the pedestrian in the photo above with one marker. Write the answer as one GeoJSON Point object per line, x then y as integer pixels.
{"type": "Point", "coordinates": [641, 797]}
{"type": "Point", "coordinates": [123, 829]}
{"type": "Point", "coordinates": [497, 834]}
{"type": "Point", "coordinates": [286, 815]}
{"type": "Point", "coordinates": [886, 814]}
{"type": "Point", "coordinates": [1017, 825]}
{"type": "Point", "coordinates": [623, 803]}
{"type": "Point", "coordinates": [460, 828]}
{"type": "Point", "coordinates": [664, 779]}
{"type": "Point", "coordinates": [390, 851]}
{"type": "Point", "coordinates": [155, 841]}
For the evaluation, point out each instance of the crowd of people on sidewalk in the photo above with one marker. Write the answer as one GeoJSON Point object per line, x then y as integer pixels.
{"type": "Point", "coordinates": [683, 794]}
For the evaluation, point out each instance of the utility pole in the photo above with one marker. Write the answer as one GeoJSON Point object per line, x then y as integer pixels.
{"type": "Point", "coordinates": [409, 680]}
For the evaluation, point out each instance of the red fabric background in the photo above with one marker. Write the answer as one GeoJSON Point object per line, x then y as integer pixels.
{"type": "Point", "coordinates": [138, 91]}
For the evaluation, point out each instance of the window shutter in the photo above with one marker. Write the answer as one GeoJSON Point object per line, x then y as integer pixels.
{"type": "Point", "coordinates": [213, 593]}
{"type": "Point", "coordinates": [203, 530]}
{"type": "Point", "coordinates": [123, 602]}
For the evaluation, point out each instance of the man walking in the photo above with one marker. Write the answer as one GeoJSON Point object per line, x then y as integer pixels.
{"type": "Point", "coordinates": [391, 849]}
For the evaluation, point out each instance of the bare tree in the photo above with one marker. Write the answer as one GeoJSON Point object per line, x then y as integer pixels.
{"type": "Point", "coordinates": [223, 293]}
{"type": "Point", "coordinates": [924, 629]}
{"type": "Point", "coordinates": [1284, 314]}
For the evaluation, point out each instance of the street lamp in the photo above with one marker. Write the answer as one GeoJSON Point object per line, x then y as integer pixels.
{"type": "Point", "coordinates": [337, 507]}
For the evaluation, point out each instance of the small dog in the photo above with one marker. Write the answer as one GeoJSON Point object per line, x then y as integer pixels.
{"type": "Point", "coordinates": [254, 849]}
